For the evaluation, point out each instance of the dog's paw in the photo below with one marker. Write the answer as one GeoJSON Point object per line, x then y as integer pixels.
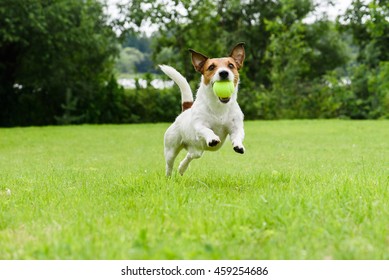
{"type": "Point", "coordinates": [213, 142]}
{"type": "Point", "coordinates": [239, 150]}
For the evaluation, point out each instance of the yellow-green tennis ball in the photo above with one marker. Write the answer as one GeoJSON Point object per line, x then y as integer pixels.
{"type": "Point", "coordinates": [223, 89]}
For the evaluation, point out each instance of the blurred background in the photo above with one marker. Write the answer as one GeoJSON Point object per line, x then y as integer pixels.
{"type": "Point", "coordinates": [91, 61]}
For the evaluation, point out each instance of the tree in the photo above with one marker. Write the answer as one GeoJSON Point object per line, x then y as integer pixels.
{"type": "Point", "coordinates": [283, 53]}
{"type": "Point", "coordinates": [292, 68]}
{"type": "Point", "coordinates": [300, 56]}
{"type": "Point", "coordinates": [53, 54]}
{"type": "Point", "coordinates": [211, 27]}
{"type": "Point", "coordinates": [129, 58]}
{"type": "Point", "coordinates": [369, 27]}
{"type": "Point", "coordinates": [142, 45]}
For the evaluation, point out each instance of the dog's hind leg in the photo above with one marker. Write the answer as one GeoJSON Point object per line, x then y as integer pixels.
{"type": "Point", "coordinates": [170, 156]}
{"type": "Point", "coordinates": [191, 155]}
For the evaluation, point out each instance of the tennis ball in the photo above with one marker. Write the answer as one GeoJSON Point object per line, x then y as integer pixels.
{"type": "Point", "coordinates": [223, 89]}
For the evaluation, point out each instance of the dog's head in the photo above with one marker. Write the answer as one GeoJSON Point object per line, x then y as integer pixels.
{"type": "Point", "coordinates": [219, 69]}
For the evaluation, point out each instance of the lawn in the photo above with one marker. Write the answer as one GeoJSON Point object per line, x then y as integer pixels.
{"type": "Point", "coordinates": [303, 190]}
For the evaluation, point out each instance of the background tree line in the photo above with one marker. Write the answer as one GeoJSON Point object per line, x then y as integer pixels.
{"type": "Point", "coordinates": [58, 59]}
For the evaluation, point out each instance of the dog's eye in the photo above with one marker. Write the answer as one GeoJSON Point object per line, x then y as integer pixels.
{"type": "Point", "coordinates": [211, 67]}
{"type": "Point", "coordinates": [231, 65]}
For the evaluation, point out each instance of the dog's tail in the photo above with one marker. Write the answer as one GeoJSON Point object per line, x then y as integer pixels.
{"type": "Point", "coordinates": [186, 92]}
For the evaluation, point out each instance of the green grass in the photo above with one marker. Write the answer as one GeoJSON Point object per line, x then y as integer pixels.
{"type": "Point", "coordinates": [303, 190]}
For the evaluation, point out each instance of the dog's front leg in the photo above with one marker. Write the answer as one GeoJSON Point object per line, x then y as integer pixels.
{"type": "Point", "coordinates": [211, 139]}
{"type": "Point", "coordinates": [237, 136]}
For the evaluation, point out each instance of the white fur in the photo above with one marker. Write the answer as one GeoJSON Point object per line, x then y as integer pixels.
{"type": "Point", "coordinates": [205, 126]}
{"type": "Point", "coordinates": [186, 92]}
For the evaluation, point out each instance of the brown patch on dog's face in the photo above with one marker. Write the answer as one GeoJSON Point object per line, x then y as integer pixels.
{"type": "Point", "coordinates": [209, 66]}
{"type": "Point", "coordinates": [212, 65]}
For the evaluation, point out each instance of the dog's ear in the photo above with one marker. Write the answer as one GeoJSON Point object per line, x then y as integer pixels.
{"type": "Point", "coordinates": [238, 54]}
{"type": "Point", "coordinates": [198, 60]}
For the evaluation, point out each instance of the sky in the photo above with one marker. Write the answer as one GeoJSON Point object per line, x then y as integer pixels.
{"type": "Point", "coordinates": [338, 9]}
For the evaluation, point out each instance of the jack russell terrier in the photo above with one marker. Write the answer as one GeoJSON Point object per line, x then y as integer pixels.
{"type": "Point", "coordinates": [204, 124]}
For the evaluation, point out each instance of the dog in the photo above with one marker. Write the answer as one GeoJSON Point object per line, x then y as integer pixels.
{"type": "Point", "coordinates": [204, 124]}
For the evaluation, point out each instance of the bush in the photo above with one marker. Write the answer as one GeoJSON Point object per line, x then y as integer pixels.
{"type": "Point", "coordinates": [152, 105]}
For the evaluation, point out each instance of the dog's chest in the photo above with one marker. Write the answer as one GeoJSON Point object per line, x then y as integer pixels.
{"type": "Point", "coordinates": [219, 124]}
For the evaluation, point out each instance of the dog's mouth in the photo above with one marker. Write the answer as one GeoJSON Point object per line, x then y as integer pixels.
{"type": "Point", "coordinates": [224, 100]}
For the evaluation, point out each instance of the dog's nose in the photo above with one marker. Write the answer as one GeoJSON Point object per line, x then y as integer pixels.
{"type": "Point", "coordinates": [223, 75]}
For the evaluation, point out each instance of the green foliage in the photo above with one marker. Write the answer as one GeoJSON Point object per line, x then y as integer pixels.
{"type": "Point", "coordinates": [378, 84]}
{"type": "Point", "coordinates": [49, 50]}
{"type": "Point", "coordinates": [297, 76]}
{"type": "Point", "coordinates": [152, 105]}
{"type": "Point", "coordinates": [368, 24]}
{"type": "Point", "coordinates": [128, 59]}
{"type": "Point", "coordinates": [70, 110]}
{"type": "Point", "coordinates": [137, 41]}
{"type": "Point", "coordinates": [136, 54]}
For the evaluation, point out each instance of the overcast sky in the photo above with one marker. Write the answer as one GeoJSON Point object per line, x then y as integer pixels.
{"type": "Point", "coordinates": [339, 8]}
